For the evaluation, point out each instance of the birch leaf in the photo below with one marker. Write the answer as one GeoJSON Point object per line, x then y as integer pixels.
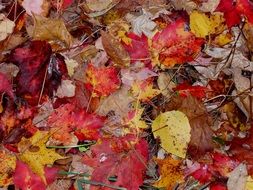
{"type": "Point", "coordinates": [173, 129]}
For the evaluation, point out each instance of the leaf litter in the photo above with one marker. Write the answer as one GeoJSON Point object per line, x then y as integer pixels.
{"type": "Point", "coordinates": [121, 94]}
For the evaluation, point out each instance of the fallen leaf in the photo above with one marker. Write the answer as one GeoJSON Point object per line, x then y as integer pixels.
{"type": "Point", "coordinates": [186, 89]}
{"type": "Point", "coordinates": [233, 11]}
{"type": "Point", "coordinates": [115, 50]}
{"type": "Point", "coordinates": [50, 30]}
{"type": "Point", "coordinates": [41, 154]}
{"type": "Point", "coordinates": [66, 89]}
{"type": "Point", "coordinates": [102, 81]}
{"type": "Point", "coordinates": [5, 85]}
{"type": "Point", "coordinates": [40, 7]}
{"type": "Point", "coordinates": [143, 90]}
{"type": "Point", "coordinates": [237, 178]}
{"type": "Point", "coordinates": [202, 25]}
{"type": "Point", "coordinates": [175, 44]}
{"type": "Point", "coordinates": [6, 169]}
{"type": "Point", "coordinates": [200, 122]}
{"type": "Point", "coordinates": [25, 179]}
{"type": "Point", "coordinates": [173, 129]}
{"type": "Point", "coordinates": [134, 119]}
{"type": "Point", "coordinates": [171, 173]}
{"type": "Point", "coordinates": [6, 27]}
{"type": "Point", "coordinates": [71, 65]}
{"type": "Point", "coordinates": [138, 48]}
{"type": "Point", "coordinates": [32, 59]}
{"type": "Point", "coordinates": [116, 157]}
{"type": "Point", "coordinates": [119, 102]}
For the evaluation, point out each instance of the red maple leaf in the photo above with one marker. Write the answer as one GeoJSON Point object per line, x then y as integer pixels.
{"type": "Point", "coordinates": [138, 49]}
{"type": "Point", "coordinates": [234, 10]}
{"type": "Point", "coordinates": [85, 126]}
{"type": "Point", "coordinates": [116, 157]}
{"type": "Point", "coordinates": [25, 179]}
{"type": "Point", "coordinates": [34, 59]}
{"type": "Point", "coordinates": [185, 89]}
{"type": "Point", "coordinates": [102, 81]}
{"type": "Point", "coordinates": [176, 44]}
{"type": "Point", "coordinates": [5, 85]}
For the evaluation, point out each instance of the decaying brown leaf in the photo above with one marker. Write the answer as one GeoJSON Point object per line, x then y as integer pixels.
{"type": "Point", "coordinates": [200, 121]}
{"type": "Point", "coordinates": [115, 50]}
{"type": "Point", "coordinates": [51, 29]}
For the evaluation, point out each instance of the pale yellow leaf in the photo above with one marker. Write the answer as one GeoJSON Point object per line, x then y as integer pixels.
{"type": "Point", "coordinates": [173, 129]}
{"type": "Point", "coordinates": [249, 183]}
{"type": "Point", "coordinates": [6, 27]}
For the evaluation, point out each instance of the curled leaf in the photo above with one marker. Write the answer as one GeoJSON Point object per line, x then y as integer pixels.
{"type": "Point", "coordinates": [115, 50]}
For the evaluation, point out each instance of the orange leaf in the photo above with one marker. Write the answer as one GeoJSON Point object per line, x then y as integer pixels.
{"type": "Point", "coordinates": [102, 81]}
{"type": "Point", "coordinates": [175, 44]}
{"type": "Point", "coordinates": [170, 172]}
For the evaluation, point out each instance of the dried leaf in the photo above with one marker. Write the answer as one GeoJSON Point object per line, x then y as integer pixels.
{"type": "Point", "coordinates": [115, 50]}
{"type": "Point", "coordinates": [237, 178]}
{"type": "Point", "coordinates": [40, 7]}
{"type": "Point", "coordinates": [66, 89]}
{"type": "Point", "coordinates": [6, 27]}
{"type": "Point", "coordinates": [171, 173]}
{"type": "Point", "coordinates": [173, 129]}
{"type": "Point", "coordinates": [50, 30]}
{"type": "Point", "coordinates": [200, 122]}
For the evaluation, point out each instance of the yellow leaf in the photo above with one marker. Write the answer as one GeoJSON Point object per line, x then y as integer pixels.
{"type": "Point", "coordinates": [7, 167]}
{"type": "Point", "coordinates": [173, 129]}
{"type": "Point", "coordinates": [202, 25]}
{"type": "Point", "coordinates": [143, 90]}
{"type": "Point", "coordinates": [35, 154]}
{"type": "Point", "coordinates": [51, 29]}
{"type": "Point", "coordinates": [249, 183]}
{"type": "Point", "coordinates": [136, 121]}
{"type": "Point", "coordinates": [170, 172]}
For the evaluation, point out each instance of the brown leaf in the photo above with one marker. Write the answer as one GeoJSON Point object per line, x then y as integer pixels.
{"type": "Point", "coordinates": [201, 132]}
{"type": "Point", "coordinates": [115, 50]}
{"type": "Point", "coordinates": [51, 29]}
